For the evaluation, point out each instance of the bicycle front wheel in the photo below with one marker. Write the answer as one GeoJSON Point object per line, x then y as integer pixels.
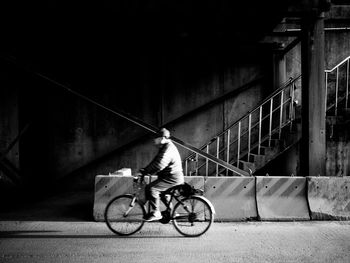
{"type": "Point", "coordinates": [124, 215]}
{"type": "Point", "coordinates": [192, 216]}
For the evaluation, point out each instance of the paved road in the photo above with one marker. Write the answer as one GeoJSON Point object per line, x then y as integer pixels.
{"type": "Point", "coordinates": [35, 241]}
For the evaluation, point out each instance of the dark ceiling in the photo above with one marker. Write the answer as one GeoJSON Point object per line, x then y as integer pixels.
{"type": "Point", "coordinates": [66, 35]}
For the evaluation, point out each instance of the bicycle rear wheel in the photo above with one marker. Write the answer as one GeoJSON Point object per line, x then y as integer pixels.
{"type": "Point", "coordinates": [192, 216]}
{"type": "Point", "coordinates": [124, 215]}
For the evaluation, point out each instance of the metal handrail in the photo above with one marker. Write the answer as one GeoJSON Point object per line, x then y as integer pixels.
{"type": "Point", "coordinates": [340, 95]}
{"type": "Point", "coordinates": [250, 128]}
{"type": "Point", "coordinates": [338, 65]}
{"type": "Point", "coordinates": [275, 93]}
{"type": "Point", "coordinates": [267, 99]}
{"type": "Point", "coordinates": [255, 125]}
{"type": "Point", "coordinates": [253, 146]}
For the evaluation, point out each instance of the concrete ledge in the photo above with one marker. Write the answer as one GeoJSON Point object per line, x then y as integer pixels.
{"type": "Point", "coordinates": [329, 198]}
{"type": "Point", "coordinates": [282, 198]}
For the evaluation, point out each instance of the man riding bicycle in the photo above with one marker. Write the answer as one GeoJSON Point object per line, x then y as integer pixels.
{"type": "Point", "coordinates": [168, 166]}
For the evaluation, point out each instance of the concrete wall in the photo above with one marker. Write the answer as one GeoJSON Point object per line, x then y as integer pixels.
{"type": "Point", "coordinates": [9, 121]}
{"type": "Point", "coordinates": [337, 42]}
{"type": "Point", "coordinates": [71, 140]}
{"type": "Point", "coordinates": [192, 80]}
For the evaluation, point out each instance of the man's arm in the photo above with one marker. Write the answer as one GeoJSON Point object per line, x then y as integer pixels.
{"type": "Point", "coordinates": [160, 161]}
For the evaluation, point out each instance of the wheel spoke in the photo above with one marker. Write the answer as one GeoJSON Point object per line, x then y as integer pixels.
{"type": "Point", "coordinates": [193, 216]}
{"type": "Point", "coordinates": [124, 215]}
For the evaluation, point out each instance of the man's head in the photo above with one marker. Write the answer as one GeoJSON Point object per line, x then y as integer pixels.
{"type": "Point", "coordinates": [162, 137]}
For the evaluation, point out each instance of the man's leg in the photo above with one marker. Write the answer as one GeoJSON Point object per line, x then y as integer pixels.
{"type": "Point", "coordinates": [153, 191]}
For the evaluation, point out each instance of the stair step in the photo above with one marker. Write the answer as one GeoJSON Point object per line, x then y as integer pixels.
{"type": "Point", "coordinates": [271, 151]}
{"type": "Point", "coordinates": [271, 143]}
{"type": "Point", "coordinates": [257, 159]}
{"type": "Point", "coordinates": [267, 151]}
{"type": "Point", "coordinates": [290, 138]}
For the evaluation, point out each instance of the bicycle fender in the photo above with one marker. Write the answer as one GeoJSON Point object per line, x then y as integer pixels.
{"type": "Point", "coordinates": [207, 201]}
{"type": "Point", "coordinates": [128, 195]}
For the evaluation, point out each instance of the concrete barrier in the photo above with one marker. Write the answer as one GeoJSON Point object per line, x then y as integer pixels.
{"type": "Point", "coordinates": [282, 198]}
{"type": "Point", "coordinates": [107, 187]}
{"type": "Point", "coordinates": [196, 181]}
{"type": "Point", "coordinates": [329, 198]}
{"type": "Point", "coordinates": [244, 198]}
{"type": "Point", "coordinates": [232, 197]}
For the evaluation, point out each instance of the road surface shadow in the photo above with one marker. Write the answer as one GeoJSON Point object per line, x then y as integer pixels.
{"type": "Point", "coordinates": [29, 235]}
{"type": "Point", "coordinates": [63, 207]}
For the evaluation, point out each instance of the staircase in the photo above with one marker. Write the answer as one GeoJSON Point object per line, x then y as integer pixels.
{"type": "Point", "coordinates": [273, 127]}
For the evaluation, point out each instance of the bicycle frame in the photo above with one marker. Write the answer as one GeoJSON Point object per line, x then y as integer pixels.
{"type": "Point", "coordinates": [172, 192]}
{"type": "Point", "coordinates": [181, 208]}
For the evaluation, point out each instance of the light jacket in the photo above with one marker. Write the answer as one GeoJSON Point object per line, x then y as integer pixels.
{"type": "Point", "coordinates": [167, 163]}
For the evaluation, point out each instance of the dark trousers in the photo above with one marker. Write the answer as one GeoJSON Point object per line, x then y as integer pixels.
{"type": "Point", "coordinates": [155, 188]}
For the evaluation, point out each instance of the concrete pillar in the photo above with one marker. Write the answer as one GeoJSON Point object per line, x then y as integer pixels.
{"type": "Point", "coordinates": [313, 146]}
{"type": "Point", "coordinates": [279, 69]}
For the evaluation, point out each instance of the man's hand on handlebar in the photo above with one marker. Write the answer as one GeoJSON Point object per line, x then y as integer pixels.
{"type": "Point", "coordinates": [139, 177]}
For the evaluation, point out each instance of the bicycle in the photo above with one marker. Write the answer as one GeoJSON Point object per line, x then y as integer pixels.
{"type": "Point", "coordinates": [192, 215]}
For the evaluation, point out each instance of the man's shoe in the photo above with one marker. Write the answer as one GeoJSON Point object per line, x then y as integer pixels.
{"type": "Point", "coordinates": [153, 217]}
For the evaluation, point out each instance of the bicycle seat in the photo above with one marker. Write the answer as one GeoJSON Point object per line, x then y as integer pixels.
{"type": "Point", "coordinates": [172, 189]}
{"type": "Point", "coordinates": [184, 189]}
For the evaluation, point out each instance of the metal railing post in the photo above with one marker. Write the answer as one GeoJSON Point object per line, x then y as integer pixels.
{"type": "Point", "coordinates": [281, 115]}
{"type": "Point", "coordinates": [207, 162]}
{"type": "Point", "coordinates": [291, 106]}
{"type": "Point", "coordinates": [238, 143]}
{"type": "Point", "coordinates": [217, 154]}
{"type": "Point", "coordinates": [197, 163]}
{"type": "Point", "coordinates": [260, 119]}
{"type": "Point", "coordinates": [347, 84]}
{"type": "Point", "coordinates": [326, 99]}
{"type": "Point", "coordinates": [249, 133]}
{"type": "Point", "coordinates": [228, 148]}
{"type": "Point", "coordinates": [336, 92]}
{"type": "Point", "coordinates": [270, 122]}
